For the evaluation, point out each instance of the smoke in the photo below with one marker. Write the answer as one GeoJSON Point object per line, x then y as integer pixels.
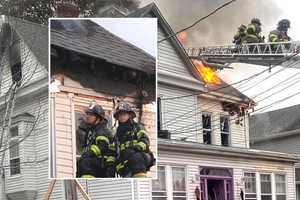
{"type": "Point", "coordinates": [219, 28]}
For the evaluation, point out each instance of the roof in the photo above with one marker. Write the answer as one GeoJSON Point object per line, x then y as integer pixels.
{"type": "Point", "coordinates": [152, 10]}
{"type": "Point", "coordinates": [215, 150]}
{"type": "Point", "coordinates": [35, 37]}
{"type": "Point", "coordinates": [88, 38]}
{"type": "Point", "coordinates": [274, 124]}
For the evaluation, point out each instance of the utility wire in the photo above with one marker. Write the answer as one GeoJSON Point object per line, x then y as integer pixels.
{"type": "Point", "coordinates": [233, 120]}
{"type": "Point", "coordinates": [186, 127]}
{"type": "Point", "coordinates": [199, 20]}
{"type": "Point", "coordinates": [189, 112]}
{"type": "Point", "coordinates": [240, 81]}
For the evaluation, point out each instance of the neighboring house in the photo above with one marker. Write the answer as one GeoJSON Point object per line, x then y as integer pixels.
{"type": "Point", "coordinates": [278, 130]}
{"type": "Point", "coordinates": [91, 64]}
{"type": "Point", "coordinates": [24, 58]}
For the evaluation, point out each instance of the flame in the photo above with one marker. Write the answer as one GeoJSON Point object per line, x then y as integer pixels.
{"type": "Point", "coordinates": [208, 75]}
{"type": "Point", "coordinates": [182, 37]}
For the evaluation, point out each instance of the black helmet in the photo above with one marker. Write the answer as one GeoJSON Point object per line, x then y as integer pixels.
{"type": "Point", "coordinates": [255, 21]}
{"type": "Point", "coordinates": [124, 107]}
{"type": "Point", "coordinates": [284, 23]}
{"type": "Point", "coordinates": [96, 109]}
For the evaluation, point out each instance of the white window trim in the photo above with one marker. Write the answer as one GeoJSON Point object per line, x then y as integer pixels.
{"type": "Point", "coordinates": [273, 183]}
{"type": "Point", "coordinates": [250, 172]}
{"type": "Point", "coordinates": [229, 133]}
{"type": "Point", "coordinates": [286, 185]}
{"type": "Point", "coordinates": [169, 180]}
{"type": "Point", "coordinates": [15, 138]}
{"type": "Point", "coordinates": [211, 125]}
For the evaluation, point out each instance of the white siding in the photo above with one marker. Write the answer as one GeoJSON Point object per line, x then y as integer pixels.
{"type": "Point", "coordinates": [178, 115]}
{"type": "Point", "coordinates": [239, 166]}
{"type": "Point", "coordinates": [32, 71]}
{"type": "Point", "coordinates": [168, 59]}
{"type": "Point", "coordinates": [120, 189]}
{"type": "Point", "coordinates": [239, 133]}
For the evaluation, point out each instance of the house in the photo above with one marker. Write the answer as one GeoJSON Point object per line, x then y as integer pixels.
{"type": "Point", "coordinates": [278, 130]}
{"type": "Point", "coordinates": [24, 72]}
{"type": "Point", "coordinates": [204, 153]}
{"type": "Point", "coordinates": [92, 64]}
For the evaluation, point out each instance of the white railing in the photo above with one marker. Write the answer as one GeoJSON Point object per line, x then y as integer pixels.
{"type": "Point", "coordinates": [280, 48]}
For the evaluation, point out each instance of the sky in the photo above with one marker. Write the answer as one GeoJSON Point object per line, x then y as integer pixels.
{"type": "Point", "coordinates": [140, 32]}
{"type": "Point", "coordinates": [219, 30]}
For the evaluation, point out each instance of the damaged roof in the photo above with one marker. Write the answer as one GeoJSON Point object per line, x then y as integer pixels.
{"type": "Point", "coordinates": [275, 124]}
{"type": "Point", "coordinates": [151, 10]}
{"type": "Point", "coordinates": [35, 37]}
{"type": "Point", "coordinates": [88, 38]}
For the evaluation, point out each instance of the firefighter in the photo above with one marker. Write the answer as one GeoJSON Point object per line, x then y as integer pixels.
{"type": "Point", "coordinates": [237, 39]}
{"type": "Point", "coordinates": [253, 32]}
{"type": "Point", "coordinates": [280, 34]}
{"type": "Point", "coordinates": [134, 155]}
{"type": "Point", "coordinates": [99, 155]}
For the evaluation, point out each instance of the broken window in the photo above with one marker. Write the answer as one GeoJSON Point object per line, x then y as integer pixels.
{"type": "Point", "coordinates": [225, 133]}
{"type": "Point", "coordinates": [14, 156]}
{"type": "Point", "coordinates": [159, 121]}
{"type": "Point", "coordinates": [15, 58]}
{"type": "Point", "coordinates": [179, 188]}
{"type": "Point", "coordinates": [250, 186]}
{"type": "Point", "coordinates": [206, 126]}
{"type": "Point", "coordinates": [159, 189]}
{"type": "Point", "coordinates": [280, 187]}
{"type": "Point", "coordinates": [266, 187]}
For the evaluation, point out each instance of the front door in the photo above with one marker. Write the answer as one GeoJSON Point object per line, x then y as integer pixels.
{"type": "Point", "coordinates": [215, 189]}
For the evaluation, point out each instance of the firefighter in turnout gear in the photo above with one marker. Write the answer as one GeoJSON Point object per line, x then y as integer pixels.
{"type": "Point", "coordinates": [253, 32]}
{"type": "Point", "coordinates": [99, 154]}
{"type": "Point", "coordinates": [280, 34]}
{"type": "Point", "coordinates": [237, 39]}
{"type": "Point", "coordinates": [134, 155]}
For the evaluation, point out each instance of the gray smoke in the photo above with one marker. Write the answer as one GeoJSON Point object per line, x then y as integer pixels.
{"type": "Point", "coordinates": [219, 28]}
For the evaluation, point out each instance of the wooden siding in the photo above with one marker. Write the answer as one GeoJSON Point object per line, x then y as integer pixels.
{"type": "Point", "coordinates": [239, 166]}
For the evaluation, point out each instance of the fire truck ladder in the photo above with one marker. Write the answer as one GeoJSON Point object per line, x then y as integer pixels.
{"type": "Point", "coordinates": [265, 54]}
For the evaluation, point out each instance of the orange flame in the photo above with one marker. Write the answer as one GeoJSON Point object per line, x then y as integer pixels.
{"type": "Point", "coordinates": [182, 37]}
{"type": "Point", "coordinates": [208, 75]}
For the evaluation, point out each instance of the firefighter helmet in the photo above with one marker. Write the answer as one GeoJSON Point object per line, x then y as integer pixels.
{"type": "Point", "coordinates": [255, 21]}
{"type": "Point", "coordinates": [284, 23]}
{"type": "Point", "coordinates": [96, 109]}
{"type": "Point", "coordinates": [124, 107]}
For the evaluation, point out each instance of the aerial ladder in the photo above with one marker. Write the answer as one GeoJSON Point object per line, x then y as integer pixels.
{"type": "Point", "coordinates": [265, 54]}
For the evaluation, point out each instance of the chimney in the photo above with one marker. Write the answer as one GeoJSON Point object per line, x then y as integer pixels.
{"type": "Point", "coordinates": [66, 8]}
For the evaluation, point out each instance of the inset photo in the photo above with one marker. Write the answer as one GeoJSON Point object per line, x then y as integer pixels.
{"type": "Point", "coordinates": [103, 98]}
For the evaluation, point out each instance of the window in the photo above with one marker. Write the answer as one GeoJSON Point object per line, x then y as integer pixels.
{"type": "Point", "coordinates": [225, 133]}
{"type": "Point", "coordinates": [171, 183]}
{"type": "Point", "coordinates": [14, 157]}
{"type": "Point", "coordinates": [159, 120]}
{"type": "Point", "coordinates": [266, 188]}
{"type": "Point", "coordinates": [178, 177]}
{"type": "Point", "coordinates": [159, 191]}
{"type": "Point", "coordinates": [250, 186]}
{"type": "Point", "coordinates": [280, 187]}
{"type": "Point", "coordinates": [15, 58]}
{"type": "Point", "coordinates": [206, 125]}
{"type": "Point", "coordinates": [70, 190]}
{"type": "Point", "coordinates": [297, 174]}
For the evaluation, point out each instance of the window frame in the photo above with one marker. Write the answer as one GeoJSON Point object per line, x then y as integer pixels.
{"type": "Point", "coordinates": [166, 185]}
{"type": "Point", "coordinates": [255, 184]}
{"type": "Point", "coordinates": [285, 185]}
{"type": "Point", "coordinates": [14, 139]}
{"type": "Point", "coordinates": [205, 129]}
{"type": "Point", "coordinates": [225, 133]}
{"type": "Point", "coordinates": [169, 182]}
{"type": "Point", "coordinates": [260, 180]}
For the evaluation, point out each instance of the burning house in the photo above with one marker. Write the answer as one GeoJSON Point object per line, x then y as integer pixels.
{"type": "Point", "coordinates": [89, 63]}
{"type": "Point", "coordinates": [203, 127]}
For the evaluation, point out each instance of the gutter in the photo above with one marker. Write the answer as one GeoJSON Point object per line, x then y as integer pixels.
{"type": "Point", "coordinates": [197, 148]}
